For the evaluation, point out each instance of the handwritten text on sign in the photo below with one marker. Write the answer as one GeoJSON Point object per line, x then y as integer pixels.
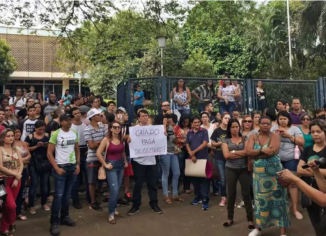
{"type": "Point", "coordinates": [147, 141]}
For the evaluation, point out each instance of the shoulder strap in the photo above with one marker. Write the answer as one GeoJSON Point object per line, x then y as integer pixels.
{"type": "Point", "coordinates": [107, 146]}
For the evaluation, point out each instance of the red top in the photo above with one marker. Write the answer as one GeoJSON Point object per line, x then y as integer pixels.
{"type": "Point", "coordinates": [2, 128]}
{"type": "Point", "coordinates": [114, 152]}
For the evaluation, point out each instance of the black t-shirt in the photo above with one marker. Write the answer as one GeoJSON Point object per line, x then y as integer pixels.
{"type": "Point", "coordinates": [125, 131]}
{"type": "Point", "coordinates": [52, 126]}
{"type": "Point", "coordinates": [307, 155]}
{"type": "Point", "coordinates": [40, 151]}
{"type": "Point", "coordinates": [158, 120]}
{"type": "Point", "coordinates": [218, 135]}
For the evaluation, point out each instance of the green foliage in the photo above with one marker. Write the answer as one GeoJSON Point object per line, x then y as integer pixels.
{"type": "Point", "coordinates": [8, 63]}
{"type": "Point", "coordinates": [198, 65]}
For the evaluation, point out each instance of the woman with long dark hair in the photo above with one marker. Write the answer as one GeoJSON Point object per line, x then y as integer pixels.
{"type": "Point", "coordinates": [181, 97]}
{"type": "Point", "coordinates": [233, 148]}
{"type": "Point", "coordinates": [204, 93]}
{"type": "Point", "coordinates": [115, 161]}
{"type": "Point", "coordinates": [26, 156]}
{"type": "Point", "coordinates": [271, 203]}
{"type": "Point", "coordinates": [180, 132]}
{"type": "Point", "coordinates": [305, 129]}
{"type": "Point", "coordinates": [227, 93]}
{"type": "Point", "coordinates": [317, 129]}
{"type": "Point", "coordinates": [256, 117]}
{"type": "Point", "coordinates": [11, 168]}
{"type": "Point", "coordinates": [219, 160]}
{"type": "Point", "coordinates": [261, 96]}
{"type": "Point", "coordinates": [39, 167]}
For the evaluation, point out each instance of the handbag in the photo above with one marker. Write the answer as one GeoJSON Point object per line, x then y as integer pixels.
{"type": "Point", "coordinates": [101, 171]}
{"type": "Point", "coordinates": [42, 164]}
{"type": "Point", "coordinates": [177, 149]}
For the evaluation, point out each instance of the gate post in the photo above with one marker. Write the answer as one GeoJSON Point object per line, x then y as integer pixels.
{"type": "Point", "coordinates": [320, 87]}
{"type": "Point", "coordinates": [129, 107]}
{"type": "Point", "coordinates": [249, 97]}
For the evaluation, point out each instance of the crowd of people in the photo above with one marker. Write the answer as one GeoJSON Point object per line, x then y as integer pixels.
{"type": "Point", "coordinates": [83, 140]}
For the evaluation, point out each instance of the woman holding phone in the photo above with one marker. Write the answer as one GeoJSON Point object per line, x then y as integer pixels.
{"type": "Point", "coordinates": [39, 167]}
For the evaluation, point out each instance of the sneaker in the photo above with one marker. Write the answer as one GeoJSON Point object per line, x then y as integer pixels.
{"type": "Point", "coordinates": [77, 205]}
{"type": "Point", "coordinates": [205, 207]}
{"type": "Point", "coordinates": [133, 211]}
{"type": "Point", "coordinates": [54, 230]}
{"type": "Point", "coordinates": [68, 221]}
{"type": "Point", "coordinates": [196, 201]}
{"type": "Point", "coordinates": [254, 232]}
{"type": "Point", "coordinates": [223, 202]}
{"type": "Point", "coordinates": [298, 215]}
{"type": "Point", "coordinates": [128, 196]}
{"type": "Point", "coordinates": [241, 204]}
{"type": "Point", "coordinates": [157, 210]}
{"type": "Point", "coordinates": [96, 207]}
{"type": "Point", "coordinates": [122, 202]}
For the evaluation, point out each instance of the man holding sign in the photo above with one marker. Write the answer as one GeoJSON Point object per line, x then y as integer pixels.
{"type": "Point", "coordinates": [196, 144]}
{"type": "Point", "coordinates": [142, 151]}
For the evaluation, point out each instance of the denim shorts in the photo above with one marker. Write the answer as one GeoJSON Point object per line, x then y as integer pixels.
{"type": "Point", "coordinates": [290, 165]}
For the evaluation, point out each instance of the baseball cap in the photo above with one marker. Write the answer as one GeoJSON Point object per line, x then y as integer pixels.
{"type": "Point", "coordinates": [93, 112]}
{"type": "Point", "coordinates": [84, 109]}
{"type": "Point", "coordinates": [122, 109]}
{"type": "Point", "coordinates": [65, 116]}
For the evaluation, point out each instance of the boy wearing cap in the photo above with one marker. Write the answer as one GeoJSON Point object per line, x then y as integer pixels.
{"type": "Point", "coordinates": [66, 165]}
{"type": "Point", "coordinates": [93, 133]}
{"type": "Point", "coordinates": [138, 99]}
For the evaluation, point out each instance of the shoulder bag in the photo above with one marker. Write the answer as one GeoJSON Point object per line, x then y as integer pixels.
{"type": "Point", "coordinates": [101, 171]}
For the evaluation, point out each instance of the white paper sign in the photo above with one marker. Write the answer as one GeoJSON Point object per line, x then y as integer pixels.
{"type": "Point", "coordinates": [147, 141]}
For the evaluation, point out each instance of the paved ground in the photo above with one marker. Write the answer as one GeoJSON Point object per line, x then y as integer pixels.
{"type": "Point", "coordinates": [178, 219]}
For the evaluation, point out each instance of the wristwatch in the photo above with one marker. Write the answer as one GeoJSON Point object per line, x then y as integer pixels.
{"type": "Point", "coordinates": [233, 151]}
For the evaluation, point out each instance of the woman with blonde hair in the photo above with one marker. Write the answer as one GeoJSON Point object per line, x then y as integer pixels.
{"type": "Point", "coordinates": [11, 168]}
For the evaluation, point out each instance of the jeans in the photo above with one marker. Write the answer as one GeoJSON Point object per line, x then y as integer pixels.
{"type": "Point", "coordinates": [19, 199]}
{"type": "Point", "coordinates": [75, 187]}
{"type": "Point", "coordinates": [9, 209]}
{"type": "Point", "coordinates": [243, 176]}
{"type": "Point", "coordinates": [220, 164]}
{"type": "Point", "coordinates": [159, 169]}
{"type": "Point", "coordinates": [35, 178]}
{"type": "Point", "coordinates": [227, 108]}
{"type": "Point", "coordinates": [201, 107]}
{"type": "Point", "coordinates": [184, 111]}
{"type": "Point", "coordinates": [62, 193]}
{"type": "Point", "coordinates": [167, 162]}
{"type": "Point", "coordinates": [182, 164]}
{"type": "Point", "coordinates": [149, 174]}
{"type": "Point", "coordinates": [201, 186]}
{"type": "Point", "coordinates": [114, 179]}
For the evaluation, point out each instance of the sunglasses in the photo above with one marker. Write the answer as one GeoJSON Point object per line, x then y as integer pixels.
{"type": "Point", "coordinates": [306, 119]}
{"type": "Point", "coordinates": [116, 127]}
{"type": "Point", "coordinates": [8, 110]}
{"type": "Point", "coordinates": [247, 121]}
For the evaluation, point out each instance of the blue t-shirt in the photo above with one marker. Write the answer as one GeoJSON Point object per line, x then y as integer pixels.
{"type": "Point", "coordinates": [140, 100]}
{"type": "Point", "coordinates": [67, 102]}
{"type": "Point", "coordinates": [196, 139]}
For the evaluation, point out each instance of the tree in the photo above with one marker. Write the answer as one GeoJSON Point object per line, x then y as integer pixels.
{"type": "Point", "coordinates": [8, 63]}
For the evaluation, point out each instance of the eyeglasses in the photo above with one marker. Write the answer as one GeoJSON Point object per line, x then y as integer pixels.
{"type": "Point", "coordinates": [165, 105]}
{"type": "Point", "coordinates": [8, 110]}
{"type": "Point", "coordinates": [247, 121]}
{"type": "Point", "coordinates": [116, 127]}
{"type": "Point", "coordinates": [265, 123]}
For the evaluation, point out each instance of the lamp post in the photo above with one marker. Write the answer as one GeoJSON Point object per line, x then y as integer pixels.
{"type": "Point", "coordinates": [289, 32]}
{"type": "Point", "coordinates": [161, 44]}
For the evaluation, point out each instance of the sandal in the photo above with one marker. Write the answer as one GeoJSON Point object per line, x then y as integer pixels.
{"type": "Point", "coordinates": [21, 217]}
{"type": "Point", "coordinates": [178, 199]}
{"type": "Point", "coordinates": [12, 229]}
{"type": "Point", "coordinates": [167, 200]}
{"type": "Point", "coordinates": [116, 213]}
{"type": "Point", "coordinates": [7, 233]}
{"type": "Point", "coordinates": [227, 223]}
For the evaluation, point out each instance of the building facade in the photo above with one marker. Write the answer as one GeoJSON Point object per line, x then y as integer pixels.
{"type": "Point", "coordinates": [35, 52]}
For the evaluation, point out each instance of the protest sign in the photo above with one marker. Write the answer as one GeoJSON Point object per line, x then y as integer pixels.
{"type": "Point", "coordinates": [147, 141]}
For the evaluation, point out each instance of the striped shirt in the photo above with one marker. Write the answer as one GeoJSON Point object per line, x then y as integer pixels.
{"type": "Point", "coordinates": [91, 134]}
{"type": "Point", "coordinates": [204, 93]}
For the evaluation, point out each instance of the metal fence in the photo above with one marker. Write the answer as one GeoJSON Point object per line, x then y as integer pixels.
{"type": "Point", "coordinates": [158, 89]}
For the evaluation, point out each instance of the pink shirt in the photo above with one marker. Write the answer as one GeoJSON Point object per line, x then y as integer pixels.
{"type": "Point", "coordinates": [114, 152]}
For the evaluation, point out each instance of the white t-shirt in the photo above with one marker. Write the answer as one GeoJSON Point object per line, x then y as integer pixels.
{"type": "Point", "coordinates": [20, 103]}
{"type": "Point", "coordinates": [64, 146]}
{"type": "Point", "coordinates": [79, 129]}
{"type": "Point", "coordinates": [28, 127]}
{"type": "Point", "coordinates": [146, 161]}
